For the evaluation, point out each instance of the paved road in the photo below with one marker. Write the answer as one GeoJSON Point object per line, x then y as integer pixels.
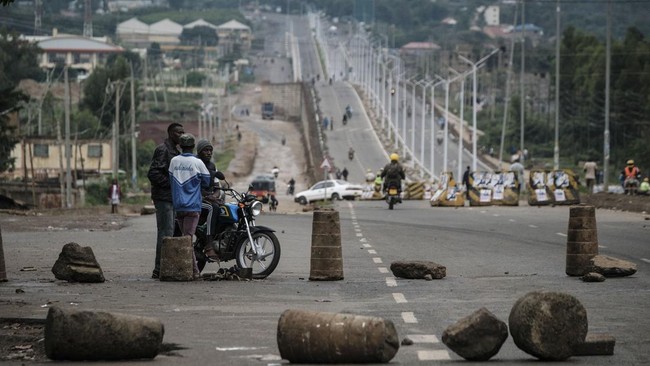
{"type": "Point", "coordinates": [493, 256]}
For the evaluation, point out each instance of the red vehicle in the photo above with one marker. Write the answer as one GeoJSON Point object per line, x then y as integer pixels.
{"type": "Point", "coordinates": [263, 186]}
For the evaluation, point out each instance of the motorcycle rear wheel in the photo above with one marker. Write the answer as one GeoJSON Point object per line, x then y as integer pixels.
{"type": "Point", "coordinates": [263, 263]}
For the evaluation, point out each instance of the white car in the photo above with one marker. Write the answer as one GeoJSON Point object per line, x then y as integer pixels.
{"type": "Point", "coordinates": [333, 189]}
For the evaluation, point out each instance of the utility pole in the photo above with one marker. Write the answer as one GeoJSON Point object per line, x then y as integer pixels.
{"type": "Point", "coordinates": [88, 19]}
{"type": "Point", "coordinates": [68, 150]}
{"type": "Point", "coordinates": [38, 15]}
{"type": "Point", "coordinates": [558, 38]}
{"type": "Point", "coordinates": [134, 167]}
{"type": "Point", "coordinates": [608, 66]}
{"type": "Point", "coordinates": [522, 92]}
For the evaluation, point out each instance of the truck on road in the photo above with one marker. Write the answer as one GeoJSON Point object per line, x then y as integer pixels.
{"type": "Point", "coordinates": [267, 110]}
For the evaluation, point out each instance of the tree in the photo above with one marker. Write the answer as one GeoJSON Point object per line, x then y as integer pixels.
{"type": "Point", "coordinates": [199, 36]}
{"type": "Point", "coordinates": [17, 62]}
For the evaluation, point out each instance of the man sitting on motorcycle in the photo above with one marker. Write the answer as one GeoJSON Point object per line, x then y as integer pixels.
{"type": "Point", "coordinates": [393, 174]}
{"type": "Point", "coordinates": [631, 174]}
{"type": "Point", "coordinates": [212, 196]}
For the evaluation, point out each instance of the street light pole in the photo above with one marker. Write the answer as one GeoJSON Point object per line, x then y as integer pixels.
{"type": "Point", "coordinates": [474, 91]}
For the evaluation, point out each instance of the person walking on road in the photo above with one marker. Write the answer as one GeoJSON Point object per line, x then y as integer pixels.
{"type": "Point", "coordinates": [344, 173]}
{"type": "Point", "coordinates": [332, 123]}
{"type": "Point", "coordinates": [187, 175]}
{"type": "Point", "coordinates": [114, 195]}
{"type": "Point", "coordinates": [161, 192]}
{"type": "Point", "coordinates": [466, 182]}
{"type": "Point", "coordinates": [590, 175]}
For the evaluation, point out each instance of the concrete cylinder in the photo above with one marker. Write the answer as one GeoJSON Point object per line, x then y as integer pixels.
{"type": "Point", "coordinates": [176, 261]}
{"type": "Point", "coordinates": [317, 337]}
{"type": "Point", "coordinates": [326, 254]}
{"type": "Point", "coordinates": [582, 240]}
{"type": "Point", "coordinates": [94, 335]}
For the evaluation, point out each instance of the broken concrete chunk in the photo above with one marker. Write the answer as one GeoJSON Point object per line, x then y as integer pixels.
{"type": "Point", "coordinates": [418, 269]}
{"type": "Point", "coordinates": [548, 325]}
{"type": "Point", "coordinates": [612, 267]}
{"type": "Point", "coordinates": [77, 264]}
{"type": "Point", "coordinates": [476, 337]}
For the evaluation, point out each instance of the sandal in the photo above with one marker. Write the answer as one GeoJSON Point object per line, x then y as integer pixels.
{"type": "Point", "coordinates": [211, 255]}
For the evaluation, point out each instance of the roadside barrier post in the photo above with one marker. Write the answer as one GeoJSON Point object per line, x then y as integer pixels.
{"type": "Point", "coordinates": [582, 239]}
{"type": "Point", "coordinates": [326, 254]}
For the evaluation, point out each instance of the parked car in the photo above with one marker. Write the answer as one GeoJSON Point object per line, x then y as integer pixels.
{"type": "Point", "coordinates": [333, 189]}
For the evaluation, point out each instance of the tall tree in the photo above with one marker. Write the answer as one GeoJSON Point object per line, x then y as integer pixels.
{"type": "Point", "coordinates": [17, 62]}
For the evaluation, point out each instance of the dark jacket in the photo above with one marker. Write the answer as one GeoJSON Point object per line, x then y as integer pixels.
{"type": "Point", "coordinates": [393, 173]}
{"type": "Point", "coordinates": [159, 171]}
{"type": "Point", "coordinates": [213, 170]}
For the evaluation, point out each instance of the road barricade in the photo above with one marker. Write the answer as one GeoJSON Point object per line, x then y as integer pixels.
{"type": "Point", "coordinates": [499, 188]}
{"type": "Point", "coordinates": [414, 191]}
{"type": "Point", "coordinates": [558, 187]}
{"type": "Point", "coordinates": [447, 194]}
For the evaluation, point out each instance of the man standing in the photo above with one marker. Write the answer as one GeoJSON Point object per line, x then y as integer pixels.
{"type": "Point", "coordinates": [466, 182]}
{"type": "Point", "coordinates": [114, 195]}
{"type": "Point", "coordinates": [590, 175]}
{"type": "Point", "coordinates": [187, 175]}
{"type": "Point", "coordinates": [161, 193]}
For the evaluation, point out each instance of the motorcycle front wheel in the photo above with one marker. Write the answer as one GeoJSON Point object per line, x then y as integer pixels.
{"type": "Point", "coordinates": [265, 261]}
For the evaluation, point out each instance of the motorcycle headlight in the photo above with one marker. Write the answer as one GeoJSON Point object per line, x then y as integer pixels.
{"type": "Point", "coordinates": [256, 208]}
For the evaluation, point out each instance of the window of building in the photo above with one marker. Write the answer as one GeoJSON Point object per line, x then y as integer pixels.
{"type": "Point", "coordinates": [41, 150]}
{"type": "Point", "coordinates": [94, 151]}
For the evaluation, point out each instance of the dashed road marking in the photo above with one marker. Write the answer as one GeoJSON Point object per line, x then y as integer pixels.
{"type": "Point", "coordinates": [399, 298]}
{"type": "Point", "coordinates": [409, 317]}
{"type": "Point", "coordinates": [377, 260]}
{"type": "Point", "coordinates": [423, 338]}
{"type": "Point", "coordinates": [561, 234]}
{"type": "Point", "coordinates": [363, 240]}
{"type": "Point", "coordinates": [482, 211]}
{"type": "Point", "coordinates": [602, 247]}
{"type": "Point", "coordinates": [359, 234]}
{"type": "Point", "coordinates": [645, 260]}
{"type": "Point", "coordinates": [372, 251]}
{"type": "Point", "coordinates": [496, 215]}
{"type": "Point", "coordinates": [390, 282]}
{"type": "Point", "coordinates": [512, 220]}
{"type": "Point", "coordinates": [433, 355]}
{"type": "Point", "coordinates": [357, 229]}
{"type": "Point", "coordinates": [533, 226]}
{"type": "Point", "coordinates": [383, 270]}
{"type": "Point", "coordinates": [366, 245]}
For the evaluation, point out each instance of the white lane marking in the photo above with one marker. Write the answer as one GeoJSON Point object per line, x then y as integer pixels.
{"type": "Point", "coordinates": [602, 247]}
{"type": "Point", "coordinates": [224, 349]}
{"type": "Point", "coordinates": [496, 215]}
{"type": "Point", "coordinates": [645, 260]}
{"type": "Point", "coordinates": [377, 260]}
{"type": "Point", "coordinates": [354, 218]}
{"type": "Point", "coordinates": [423, 338]}
{"type": "Point", "coordinates": [383, 270]}
{"type": "Point", "coordinates": [390, 282]}
{"type": "Point", "coordinates": [561, 234]}
{"type": "Point", "coordinates": [533, 226]}
{"type": "Point", "coordinates": [409, 317]}
{"type": "Point", "coordinates": [512, 220]}
{"type": "Point", "coordinates": [482, 211]}
{"type": "Point", "coordinates": [399, 298]}
{"type": "Point", "coordinates": [363, 240]}
{"type": "Point", "coordinates": [433, 355]}
{"type": "Point", "coordinates": [359, 234]}
{"type": "Point", "coordinates": [357, 229]}
{"type": "Point", "coordinates": [372, 251]}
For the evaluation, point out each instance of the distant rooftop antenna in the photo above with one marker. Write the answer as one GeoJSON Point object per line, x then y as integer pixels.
{"type": "Point", "coordinates": [88, 18]}
{"type": "Point", "coordinates": [38, 14]}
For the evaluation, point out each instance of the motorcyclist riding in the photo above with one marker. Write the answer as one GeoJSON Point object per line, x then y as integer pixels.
{"type": "Point", "coordinates": [351, 154]}
{"type": "Point", "coordinates": [370, 176]}
{"type": "Point", "coordinates": [348, 111]}
{"type": "Point", "coordinates": [393, 173]}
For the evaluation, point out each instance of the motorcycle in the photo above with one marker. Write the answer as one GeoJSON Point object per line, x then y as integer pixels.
{"type": "Point", "coordinates": [392, 196]}
{"type": "Point", "coordinates": [348, 112]}
{"type": "Point", "coordinates": [351, 154]}
{"type": "Point", "coordinates": [237, 237]}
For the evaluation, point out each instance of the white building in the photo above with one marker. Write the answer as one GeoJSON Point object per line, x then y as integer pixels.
{"type": "Point", "coordinates": [492, 15]}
